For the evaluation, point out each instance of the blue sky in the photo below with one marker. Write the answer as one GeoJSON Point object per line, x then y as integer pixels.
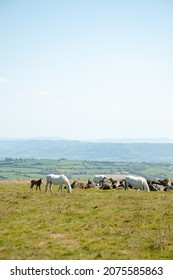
{"type": "Point", "coordinates": [86, 69]}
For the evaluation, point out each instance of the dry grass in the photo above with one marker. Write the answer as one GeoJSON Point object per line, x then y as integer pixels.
{"type": "Point", "coordinates": [88, 224]}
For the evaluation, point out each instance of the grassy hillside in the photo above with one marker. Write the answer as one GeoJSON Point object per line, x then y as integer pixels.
{"type": "Point", "coordinates": [87, 224]}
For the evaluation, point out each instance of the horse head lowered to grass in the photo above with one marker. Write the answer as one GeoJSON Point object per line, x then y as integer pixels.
{"type": "Point", "coordinates": [57, 180]}
{"type": "Point", "coordinates": [138, 183]}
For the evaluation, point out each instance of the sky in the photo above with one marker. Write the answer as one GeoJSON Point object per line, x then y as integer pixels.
{"type": "Point", "coordinates": [86, 69]}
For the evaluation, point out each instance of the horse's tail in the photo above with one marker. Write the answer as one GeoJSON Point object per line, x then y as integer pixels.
{"type": "Point", "coordinates": [47, 179]}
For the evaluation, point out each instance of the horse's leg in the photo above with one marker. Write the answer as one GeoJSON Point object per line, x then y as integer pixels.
{"type": "Point", "coordinates": [50, 186]}
{"type": "Point", "coordinates": [60, 188]}
{"type": "Point", "coordinates": [39, 187]}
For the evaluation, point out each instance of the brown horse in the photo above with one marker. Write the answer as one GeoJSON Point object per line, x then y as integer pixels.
{"type": "Point", "coordinates": [37, 183]}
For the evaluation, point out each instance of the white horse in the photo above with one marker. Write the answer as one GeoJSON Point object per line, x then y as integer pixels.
{"type": "Point", "coordinates": [99, 178]}
{"type": "Point", "coordinates": [58, 180]}
{"type": "Point", "coordinates": [137, 183]}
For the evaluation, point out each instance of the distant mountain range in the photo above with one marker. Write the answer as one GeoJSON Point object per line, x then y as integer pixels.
{"type": "Point", "coordinates": [102, 150]}
{"type": "Point", "coordinates": [106, 140]}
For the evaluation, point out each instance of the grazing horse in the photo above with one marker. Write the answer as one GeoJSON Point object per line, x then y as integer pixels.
{"type": "Point", "coordinates": [137, 183]}
{"type": "Point", "coordinates": [37, 183]}
{"type": "Point", "coordinates": [58, 180]}
{"type": "Point", "coordinates": [99, 178]}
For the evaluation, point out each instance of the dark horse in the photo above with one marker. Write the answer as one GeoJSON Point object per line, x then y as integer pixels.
{"type": "Point", "coordinates": [37, 183]}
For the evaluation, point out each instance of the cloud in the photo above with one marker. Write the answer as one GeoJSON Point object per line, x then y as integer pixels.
{"type": "Point", "coordinates": [45, 93]}
{"type": "Point", "coordinates": [3, 81]}
{"type": "Point", "coordinates": [35, 94]}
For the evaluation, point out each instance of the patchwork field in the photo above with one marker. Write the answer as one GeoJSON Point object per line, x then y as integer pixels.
{"type": "Point", "coordinates": [11, 168]}
{"type": "Point", "coordinates": [87, 224]}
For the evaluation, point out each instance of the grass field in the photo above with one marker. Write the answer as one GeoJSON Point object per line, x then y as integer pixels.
{"type": "Point", "coordinates": [86, 224]}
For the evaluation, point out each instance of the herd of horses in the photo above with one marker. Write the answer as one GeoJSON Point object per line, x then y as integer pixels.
{"type": "Point", "coordinates": [138, 183]}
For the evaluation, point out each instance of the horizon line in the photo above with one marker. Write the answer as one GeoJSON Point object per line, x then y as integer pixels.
{"type": "Point", "coordinates": [96, 140]}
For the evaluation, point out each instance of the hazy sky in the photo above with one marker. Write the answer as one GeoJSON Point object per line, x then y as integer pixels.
{"type": "Point", "coordinates": [84, 69]}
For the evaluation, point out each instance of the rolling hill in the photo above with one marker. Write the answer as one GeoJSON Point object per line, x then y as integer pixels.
{"type": "Point", "coordinates": [86, 150]}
